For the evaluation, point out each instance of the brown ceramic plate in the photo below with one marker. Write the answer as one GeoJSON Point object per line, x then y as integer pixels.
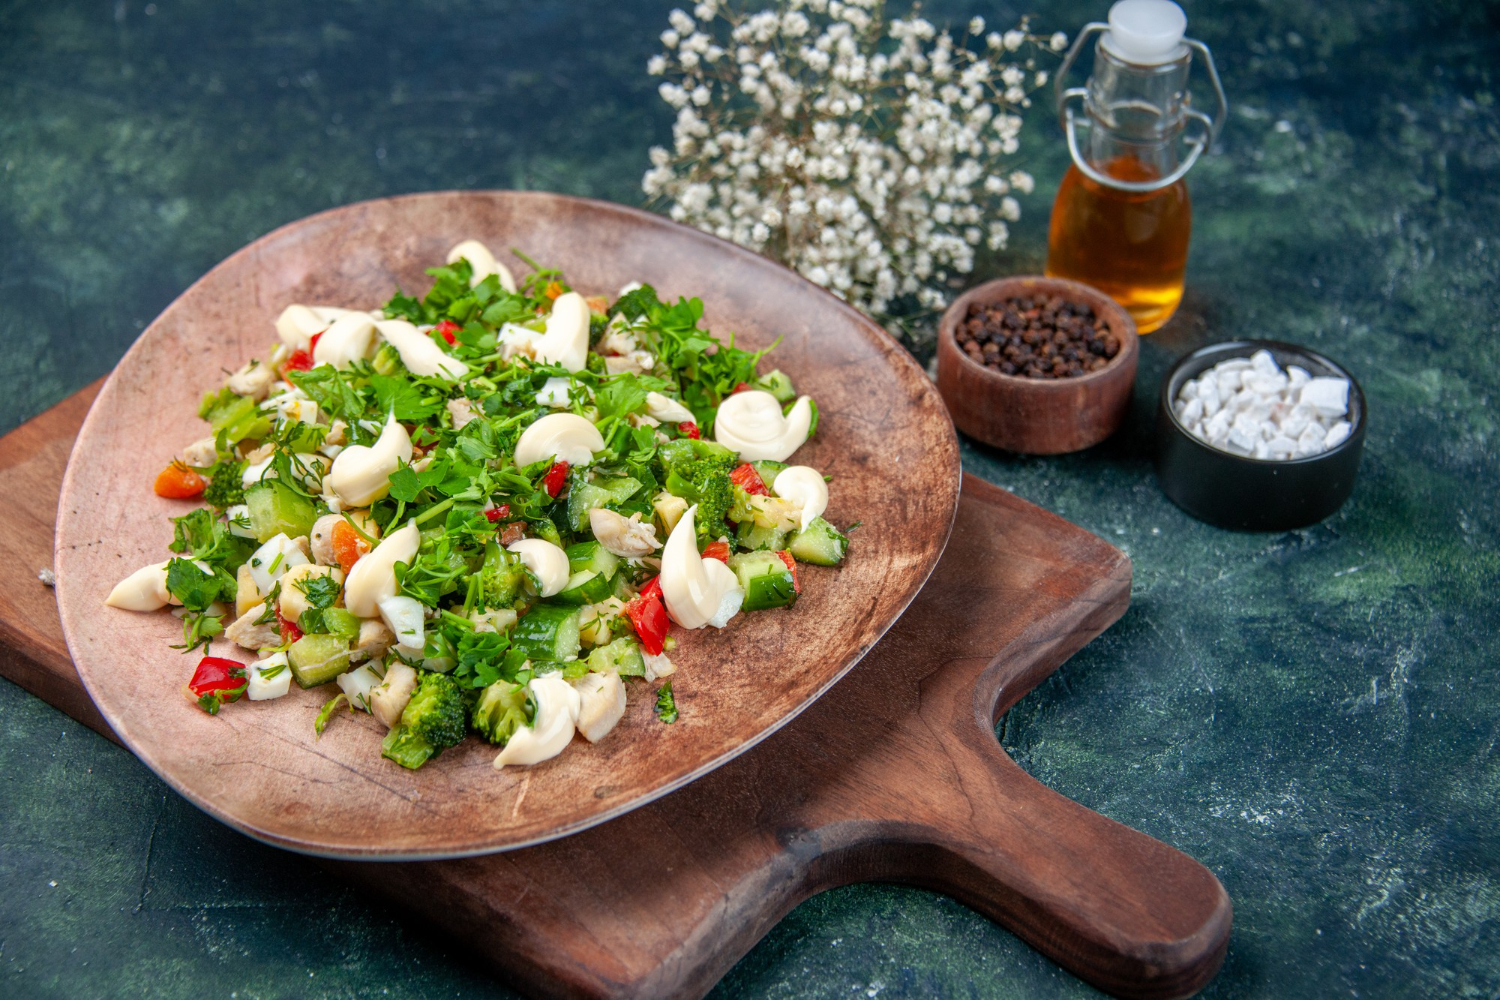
{"type": "Point", "coordinates": [884, 437]}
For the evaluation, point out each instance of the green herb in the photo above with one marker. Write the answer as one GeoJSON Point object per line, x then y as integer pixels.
{"type": "Point", "coordinates": [199, 629]}
{"type": "Point", "coordinates": [321, 590]}
{"type": "Point", "coordinates": [326, 712]}
{"type": "Point", "coordinates": [666, 704]}
{"type": "Point", "coordinates": [195, 588]}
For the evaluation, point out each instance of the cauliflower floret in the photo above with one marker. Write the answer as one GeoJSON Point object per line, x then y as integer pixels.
{"type": "Point", "coordinates": [247, 633]}
{"type": "Point", "coordinates": [634, 363]}
{"type": "Point", "coordinates": [253, 380]}
{"type": "Point", "coordinates": [375, 640]}
{"type": "Point", "coordinates": [462, 412]}
{"type": "Point", "coordinates": [625, 538]}
{"type": "Point", "coordinates": [201, 453]}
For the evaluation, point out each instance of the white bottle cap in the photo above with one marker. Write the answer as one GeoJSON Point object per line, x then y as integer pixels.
{"type": "Point", "coordinates": [1146, 32]}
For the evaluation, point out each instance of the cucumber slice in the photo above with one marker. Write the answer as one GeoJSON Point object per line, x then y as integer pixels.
{"type": "Point", "coordinates": [548, 632]}
{"type": "Point", "coordinates": [547, 530]}
{"type": "Point", "coordinates": [767, 471]}
{"type": "Point", "coordinates": [754, 536]}
{"type": "Point", "coordinates": [767, 581]}
{"type": "Point", "coordinates": [592, 555]}
{"type": "Point", "coordinates": [777, 384]}
{"type": "Point", "coordinates": [623, 656]}
{"type": "Point", "coordinates": [619, 488]}
{"type": "Point", "coordinates": [820, 544]}
{"type": "Point", "coordinates": [317, 658]}
{"type": "Point", "coordinates": [583, 498]}
{"type": "Point", "coordinates": [278, 509]}
{"type": "Point", "coordinates": [586, 587]}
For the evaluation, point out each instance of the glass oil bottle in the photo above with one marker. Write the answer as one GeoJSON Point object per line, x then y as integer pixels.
{"type": "Point", "coordinates": [1122, 218]}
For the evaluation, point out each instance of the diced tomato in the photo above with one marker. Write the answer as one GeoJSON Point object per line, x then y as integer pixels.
{"type": "Point", "coordinates": [178, 482]}
{"type": "Point", "coordinates": [717, 550]}
{"type": "Point", "coordinates": [300, 361]}
{"type": "Point", "coordinates": [741, 387]}
{"type": "Point", "coordinates": [648, 616]}
{"type": "Point", "coordinates": [448, 330]}
{"type": "Point", "coordinates": [554, 290]}
{"type": "Point", "coordinates": [791, 564]}
{"type": "Point", "coordinates": [312, 342]}
{"type": "Point", "coordinates": [499, 513]}
{"type": "Point", "coordinates": [747, 479]}
{"type": "Point", "coordinates": [556, 478]}
{"type": "Point", "coordinates": [215, 673]}
{"type": "Point", "coordinates": [215, 681]}
{"type": "Point", "coordinates": [290, 631]}
{"type": "Point", "coordinates": [688, 429]}
{"type": "Point", "coordinates": [347, 545]}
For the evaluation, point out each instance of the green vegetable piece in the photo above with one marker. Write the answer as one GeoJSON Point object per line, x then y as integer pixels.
{"type": "Point", "coordinates": [547, 530]}
{"type": "Point", "coordinates": [500, 577]}
{"type": "Point", "coordinates": [755, 536]}
{"type": "Point", "coordinates": [235, 417]}
{"type": "Point", "coordinates": [767, 471]}
{"type": "Point", "coordinates": [683, 450]}
{"type": "Point", "coordinates": [331, 621]}
{"type": "Point", "coordinates": [623, 656]}
{"type": "Point", "coordinates": [224, 487]}
{"type": "Point", "coordinates": [707, 484]}
{"type": "Point", "coordinates": [437, 712]}
{"type": "Point", "coordinates": [326, 712]}
{"type": "Point", "coordinates": [820, 543]}
{"type": "Point", "coordinates": [406, 748]}
{"type": "Point", "coordinates": [502, 709]}
{"type": "Point", "coordinates": [277, 509]}
{"type": "Point", "coordinates": [592, 556]}
{"type": "Point", "coordinates": [586, 587]}
{"type": "Point", "coordinates": [388, 362]}
{"type": "Point", "coordinates": [548, 632]}
{"type": "Point", "coordinates": [778, 385]}
{"type": "Point", "coordinates": [582, 498]}
{"type": "Point", "coordinates": [666, 704]}
{"type": "Point", "coordinates": [318, 658]}
{"type": "Point", "coordinates": [767, 581]}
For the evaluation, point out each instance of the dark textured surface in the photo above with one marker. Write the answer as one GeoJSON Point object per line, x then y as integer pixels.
{"type": "Point", "coordinates": [1314, 715]}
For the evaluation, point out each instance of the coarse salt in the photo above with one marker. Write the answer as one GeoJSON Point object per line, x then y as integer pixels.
{"type": "Point", "coordinates": [1249, 406]}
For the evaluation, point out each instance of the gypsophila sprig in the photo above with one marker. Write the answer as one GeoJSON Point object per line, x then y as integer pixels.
{"type": "Point", "coordinates": [870, 154]}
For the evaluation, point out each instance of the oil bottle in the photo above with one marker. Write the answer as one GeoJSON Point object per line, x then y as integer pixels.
{"type": "Point", "coordinates": [1122, 217]}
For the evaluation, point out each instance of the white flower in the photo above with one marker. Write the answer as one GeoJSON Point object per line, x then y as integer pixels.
{"type": "Point", "coordinates": [1058, 42]}
{"type": "Point", "coordinates": [679, 20]}
{"type": "Point", "coordinates": [670, 39]}
{"type": "Point", "coordinates": [1013, 40]}
{"type": "Point", "coordinates": [656, 65]}
{"type": "Point", "coordinates": [976, 26]}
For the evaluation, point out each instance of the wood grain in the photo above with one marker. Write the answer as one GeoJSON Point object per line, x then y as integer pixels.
{"type": "Point", "coordinates": [884, 437]}
{"type": "Point", "coordinates": [894, 775]}
{"type": "Point", "coordinates": [1036, 416]}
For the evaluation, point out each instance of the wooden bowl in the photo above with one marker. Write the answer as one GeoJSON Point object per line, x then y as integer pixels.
{"type": "Point", "coordinates": [1036, 416]}
{"type": "Point", "coordinates": [259, 766]}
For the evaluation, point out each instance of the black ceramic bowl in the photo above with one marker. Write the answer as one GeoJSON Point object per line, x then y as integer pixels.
{"type": "Point", "coordinates": [1252, 494]}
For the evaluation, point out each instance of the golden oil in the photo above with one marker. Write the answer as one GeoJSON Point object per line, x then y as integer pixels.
{"type": "Point", "coordinates": [1130, 245]}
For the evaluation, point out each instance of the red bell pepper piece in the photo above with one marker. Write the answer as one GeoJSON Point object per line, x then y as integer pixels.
{"type": "Point", "coordinates": [688, 429]}
{"type": "Point", "coordinates": [648, 616]}
{"type": "Point", "coordinates": [300, 361]}
{"type": "Point", "coordinates": [290, 630]}
{"type": "Point", "coordinates": [717, 550]}
{"type": "Point", "coordinates": [791, 564]}
{"type": "Point", "coordinates": [555, 479]}
{"type": "Point", "coordinates": [215, 681]}
{"type": "Point", "coordinates": [499, 513]}
{"type": "Point", "coordinates": [448, 330]}
{"type": "Point", "coordinates": [741, 387]}
{"type": "Point", "coordinates": [747, 479]}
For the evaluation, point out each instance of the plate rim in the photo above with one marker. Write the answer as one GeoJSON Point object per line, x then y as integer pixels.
{"type": "Point", "coordinates": [893, 352]}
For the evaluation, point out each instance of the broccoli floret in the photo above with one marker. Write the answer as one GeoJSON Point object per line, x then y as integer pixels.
{"type": "Point", "coordinates": [406, 748]}
{"type": "Point", "coordinates": [502, 709]}
{"type": "Point", "coordinates": [437, 711]}
{"type": "Point", "coordinates": [387, 360]}
{"type": "Point", "coordinates": [224, 487]}
{"type": "Point", "coordinates": [500, 577]}
{"type": "Point", "coordinates": [684, 450]}
{"type": "Point", "coordinates": [706, 483]}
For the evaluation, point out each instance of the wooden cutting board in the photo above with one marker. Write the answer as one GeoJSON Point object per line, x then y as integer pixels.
{"type": "Point", "coordinates": [894, 775]}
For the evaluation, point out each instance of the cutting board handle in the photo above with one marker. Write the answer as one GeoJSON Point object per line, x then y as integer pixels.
{"type": "Point", "coordinates": [1122, 911]}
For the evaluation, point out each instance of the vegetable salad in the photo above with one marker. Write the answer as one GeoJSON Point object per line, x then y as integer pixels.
{"type": "Point", "coordinates": [494, 508]}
